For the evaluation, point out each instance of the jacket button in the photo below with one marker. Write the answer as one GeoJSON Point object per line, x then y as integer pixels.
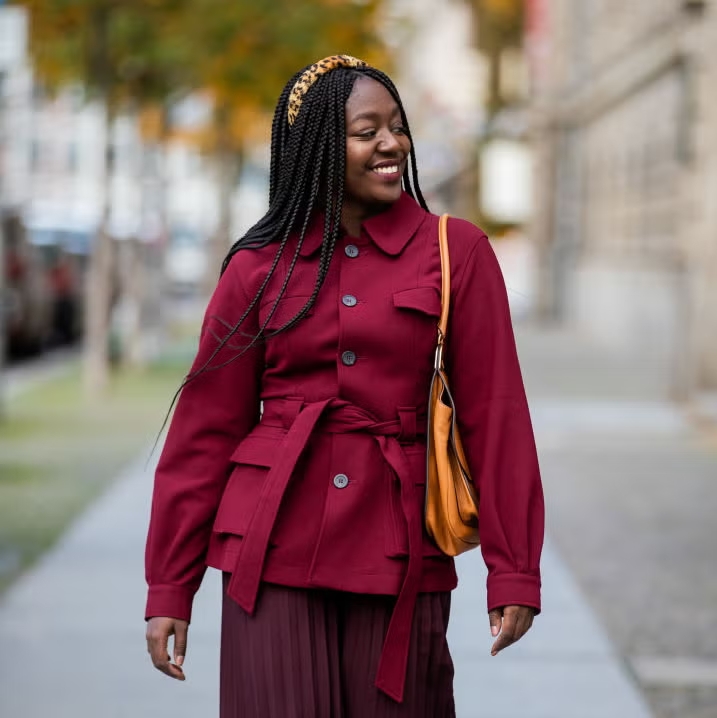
{"type": "Point", "coordinates": [348, 358]}
{"type": "Point", "coordinates": [341, 481]}
{"type": "Point", "coordinates": [351, 250]}
{"type": "Point", "coordinates": [349, 300]}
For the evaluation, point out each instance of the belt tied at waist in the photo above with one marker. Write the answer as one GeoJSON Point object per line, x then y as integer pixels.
{"type": "Point", "coordinates": [337, 416]}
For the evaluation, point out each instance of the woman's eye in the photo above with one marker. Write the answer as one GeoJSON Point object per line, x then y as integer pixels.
{"type": "Point", "coordinates": [368, 134]}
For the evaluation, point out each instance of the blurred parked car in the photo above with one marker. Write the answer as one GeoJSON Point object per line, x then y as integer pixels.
{"type": "Point", "coordinates": [27, 297]}
{"type": "Point", "coordinates": [64, 252]}
{"type": "Point", "coordinates": [44, 285]}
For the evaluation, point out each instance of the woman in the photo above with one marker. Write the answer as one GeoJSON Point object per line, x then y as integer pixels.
{"type": "Point", "coordinates": [326, 313]}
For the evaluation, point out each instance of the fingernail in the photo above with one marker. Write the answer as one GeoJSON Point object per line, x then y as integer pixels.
{"type": "Point", "coordinates": [494, 631]}
{"type": "Point", "coordinates": [180, 660]}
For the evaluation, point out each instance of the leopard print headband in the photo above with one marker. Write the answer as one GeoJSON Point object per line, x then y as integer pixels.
{"type": "Point", "coordinates": [310, 76]}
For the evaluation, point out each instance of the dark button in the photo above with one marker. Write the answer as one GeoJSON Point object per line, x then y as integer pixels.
{"type": "Point", "coordinates": [348, 358]}
{"type": "Point", "coordinates": [349, 300]}
{"type": "Point", "coordinates": [351, 250]}
{"type": "Point", "coordinates": [341, 481]}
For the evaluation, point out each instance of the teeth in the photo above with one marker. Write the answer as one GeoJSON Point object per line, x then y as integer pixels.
{"type": "Point", "coordinates": [386, 170]}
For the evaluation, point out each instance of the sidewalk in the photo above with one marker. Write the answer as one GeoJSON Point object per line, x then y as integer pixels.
{"type": "Point", "coordinates": [21, 376]}
{"type": "Point", "coordinates": [72, 637]}
{"type": "Point", "coordinates": [631, 498]}
{"type": "Point", "coordinates": [631, 495]}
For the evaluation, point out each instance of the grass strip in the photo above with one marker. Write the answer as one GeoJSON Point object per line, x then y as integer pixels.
{"type": "Point", "coordinates": [58, 452]}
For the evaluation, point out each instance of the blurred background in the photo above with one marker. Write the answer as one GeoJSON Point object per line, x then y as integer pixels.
{"type": "Point", "coordinates": [580, 134]}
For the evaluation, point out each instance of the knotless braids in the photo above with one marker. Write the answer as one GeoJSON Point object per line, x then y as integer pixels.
{"type": "Point", "coordinates": [307, 173]}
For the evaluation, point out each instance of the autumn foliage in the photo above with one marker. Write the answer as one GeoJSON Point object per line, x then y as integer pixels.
{"type": "Point", "coordinates": [141, 56]}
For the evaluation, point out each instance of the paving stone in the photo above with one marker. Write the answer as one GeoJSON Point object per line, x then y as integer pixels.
{"type": "Point", "coordinates": [73, 638]}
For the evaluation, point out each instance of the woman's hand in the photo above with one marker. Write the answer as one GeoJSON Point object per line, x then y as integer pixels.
{"type": "Point", "coordinates": [159, 629]}
{"type": "Point", "coordinates": [512, 623]}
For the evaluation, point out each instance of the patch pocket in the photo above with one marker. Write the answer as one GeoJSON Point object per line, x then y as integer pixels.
{"type": "Point", "coordinates": [419, 310]}
{"type": "Point", "coordinates": [286, 310]}
{"type": "Point", "coordinates": [253, 458]}
{"type": "Point", "coordinates": [396, 533]}
{"type": "Point", "coordinates": [426, 300]}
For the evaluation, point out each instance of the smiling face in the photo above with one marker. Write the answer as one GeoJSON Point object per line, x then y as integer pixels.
{"type": "Point", "coordinates": [377, 149]}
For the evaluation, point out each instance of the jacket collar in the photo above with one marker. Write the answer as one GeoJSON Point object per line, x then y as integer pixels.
{"type": "Point", "coordinates": [390, 231]}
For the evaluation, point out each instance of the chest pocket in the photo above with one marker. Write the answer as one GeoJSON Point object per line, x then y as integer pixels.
{"type": "Point", "coordinates": [418, 311]}
{"type": "Point", "coordinates": [425, 300]}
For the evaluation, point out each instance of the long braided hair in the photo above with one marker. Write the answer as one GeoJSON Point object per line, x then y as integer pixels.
{"type": "Point", "coordinates": [307, 173]}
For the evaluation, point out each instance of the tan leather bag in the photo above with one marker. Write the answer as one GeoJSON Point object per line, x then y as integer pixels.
{"type": "Point", "coordinates": [451, 497]}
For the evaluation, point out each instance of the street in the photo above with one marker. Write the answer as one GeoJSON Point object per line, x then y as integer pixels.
{"type": "Point", "coordinates": [625, 579]}
{"type": "Point", "coordinates": [629, 587]}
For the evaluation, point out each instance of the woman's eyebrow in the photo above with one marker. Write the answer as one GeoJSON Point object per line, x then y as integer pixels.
{"type": "Point", "coordinates": [372, 115]}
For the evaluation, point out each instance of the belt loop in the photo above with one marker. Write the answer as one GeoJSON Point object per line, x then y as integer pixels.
{"type": "Point", "coordinates": [290, 409]}
{"type": "Point", "coordinates": [407, 417]}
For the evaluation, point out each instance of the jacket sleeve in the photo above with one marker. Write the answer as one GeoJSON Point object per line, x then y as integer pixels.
{"type": "Point", "coordinates": [494, 422]}
{"type": "Point", "coordinates": [215, 411]}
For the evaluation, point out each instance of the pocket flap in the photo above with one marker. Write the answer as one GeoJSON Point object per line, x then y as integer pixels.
{"type": "Point", "coordinates": [256, 450]}
{"type": "Point", "coordinates": [422, 299]}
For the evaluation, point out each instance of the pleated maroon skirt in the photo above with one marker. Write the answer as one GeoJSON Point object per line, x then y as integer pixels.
{"type": "Point", "coordinates": [314, 654]}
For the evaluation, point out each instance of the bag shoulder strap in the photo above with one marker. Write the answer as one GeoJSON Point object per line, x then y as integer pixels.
{"type": "Point", "coordinates": [445, 277]}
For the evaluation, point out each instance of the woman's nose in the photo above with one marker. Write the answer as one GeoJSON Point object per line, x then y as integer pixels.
{"type": "Point", "coordinates": [388, 142]}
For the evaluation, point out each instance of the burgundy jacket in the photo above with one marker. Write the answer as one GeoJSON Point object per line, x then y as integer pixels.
{"type": "Point", "coordinates": [302, 462]}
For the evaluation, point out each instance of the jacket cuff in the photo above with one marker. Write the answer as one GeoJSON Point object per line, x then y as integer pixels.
{"type": "Point", "coordinates": [514, 589]}
{"type": "Point", "coordinates": [170, 601]}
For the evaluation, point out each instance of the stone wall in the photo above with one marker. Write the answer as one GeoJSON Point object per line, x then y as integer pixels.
{"type": "Point", "coordinates": [627, 156]}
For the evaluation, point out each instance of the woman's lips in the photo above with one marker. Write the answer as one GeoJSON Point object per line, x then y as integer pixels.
{"type": "Point", "coordinates": [388, 173]}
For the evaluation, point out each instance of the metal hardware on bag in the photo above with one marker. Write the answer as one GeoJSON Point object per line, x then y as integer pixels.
{"type": "Point", "coordinates": [438, 361]}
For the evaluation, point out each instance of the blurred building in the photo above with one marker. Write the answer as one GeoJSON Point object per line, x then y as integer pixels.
{"type": "Point", "coordinates": [624, 118]}
{"type": "Point", "coordinates": [441, 77]}
{"type": "Point", "coordinates": [462, 74]}
{"type": "Point", "coordinates": [52, 168]}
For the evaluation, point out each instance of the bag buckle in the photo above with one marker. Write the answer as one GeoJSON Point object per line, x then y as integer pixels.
{"type": "Point", "coordinates": [438, 360]}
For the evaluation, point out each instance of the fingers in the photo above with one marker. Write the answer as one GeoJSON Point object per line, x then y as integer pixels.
{"type": "Point", "coordinates": [158, 632]}
{"type": "Point", "coordinates": [496, 621]}
{"type": "Point", "coordinates": [180, 641]}
{"type": "Point", "coordinates": [516, 621]}
{"type": "Point", "coordinates": [507, 633]}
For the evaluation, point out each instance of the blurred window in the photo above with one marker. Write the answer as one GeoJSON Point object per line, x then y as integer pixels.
{"type": "Point", "coordinates": [72, 157]}
{"type": "Point", "coordinates": [111, 158]}
{"type": "Point", "coordinates": [194, 163]}
{"type": "Point", "coordinates": [43, 237]}
{"type": "Point", "coordinates": [36, 155]}
{"type": "Point", "coordinates": [38, 94]}
{"type": "Point", "coordinates": [76, 96]}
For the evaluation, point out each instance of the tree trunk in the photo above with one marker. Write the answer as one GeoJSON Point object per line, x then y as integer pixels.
{"type": "Point", "coordinates": [495, 80]}
{"type": "Point", "coordinates": [227, 164]}
{"type": "Point", "coordinates": [144, 262]}
{"type": "Point", "coordinates": [3, 328]}
{"type": "Point", "coordinates": [99, 288]}
{"type": "Point", "coordinates": [133, 289]}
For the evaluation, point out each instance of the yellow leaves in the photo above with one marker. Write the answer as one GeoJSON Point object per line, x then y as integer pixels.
{"type": "Point", "coordinates": [500, 23]}
{"type": "Point", "coordinates": [241, 51]}
{"type": "Point", "coordinates": [49, 21]}
{"type": "Point", "coordinates": [248, 123]}
{"type": "Point", "coordinates": [151, 122]}
{"type": "Point", "coordinates": [250, 49]}
{"type": "Point", "coordinates": [503, 8]}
